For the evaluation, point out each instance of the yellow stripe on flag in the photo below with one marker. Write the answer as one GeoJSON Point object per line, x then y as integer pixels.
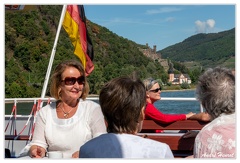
{"type": "Point", "coordinates": [71, 27]}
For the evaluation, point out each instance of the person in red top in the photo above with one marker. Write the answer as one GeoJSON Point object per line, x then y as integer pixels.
{"type": "Point", "coordinates": [153, 92]}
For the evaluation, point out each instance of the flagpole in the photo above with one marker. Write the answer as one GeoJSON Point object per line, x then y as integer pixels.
{"type": "Point", "coordinates": [53, 52]}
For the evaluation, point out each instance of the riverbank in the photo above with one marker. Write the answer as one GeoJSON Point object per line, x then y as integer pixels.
{"type": "Point", "coordinates": [177, 88]}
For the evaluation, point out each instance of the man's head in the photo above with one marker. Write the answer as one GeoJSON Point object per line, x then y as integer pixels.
{"type": "Point", "coordinates": [122, 101]}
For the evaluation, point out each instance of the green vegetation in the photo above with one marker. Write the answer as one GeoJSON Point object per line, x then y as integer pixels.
{"type": "Point", "coordinates": [204, 50]}
{"type": "Point", "coordinates": [178, 87]}
{"type": "Point", "coordinates": [30, 35]}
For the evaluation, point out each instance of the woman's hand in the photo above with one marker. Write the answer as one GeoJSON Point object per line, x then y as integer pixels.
{"type": "Point", "coordinates": [75, 154]}
{"type": "Point", "coordinates": [37, 152]}
{"type": "Point", "coordinates": [202, 116]}
{"type": "Point", "coordinates": [190, 114]}
{"type": "Point", "coordinates": [205, 117]}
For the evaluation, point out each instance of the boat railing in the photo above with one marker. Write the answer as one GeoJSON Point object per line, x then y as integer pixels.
{"type": "Point", "coordinates": [19, 128]}
{"type": "Point", "coordinates": [40, 101]}
{"type": "Point", "coordinates": [172, 134]}
{"type": "Point", "coordinates": [95, 98]}
{"type": "Point", "coordinates": [12, 100]}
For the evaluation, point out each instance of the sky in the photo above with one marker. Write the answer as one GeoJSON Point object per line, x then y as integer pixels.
{"type": "Point", "coordinates": [153, 22]}
{"type": "Point", "coordinates": [162, 25]}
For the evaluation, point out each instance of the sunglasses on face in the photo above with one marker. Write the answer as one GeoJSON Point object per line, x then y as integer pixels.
{"type": "Point", "coordinates": [155, 90]}
{"type": "Point", "coordinates": [73, 80]}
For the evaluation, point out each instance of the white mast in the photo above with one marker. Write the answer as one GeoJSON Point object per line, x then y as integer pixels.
{"type": "Point", "coordinates": [53, 52]}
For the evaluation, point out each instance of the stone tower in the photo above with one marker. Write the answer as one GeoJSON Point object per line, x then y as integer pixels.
{"type": "Point", "coordinates": [154, 49]}
{"type": "Point", "coordinates": [170, 72]}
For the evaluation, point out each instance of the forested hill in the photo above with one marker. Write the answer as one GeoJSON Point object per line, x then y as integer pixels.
{"type": "Point", "coordinates": [30, 35]}
{"type": "Point", "coordinates": [207, 50]}
{"type": "Point", "coordinates": [29, 38]}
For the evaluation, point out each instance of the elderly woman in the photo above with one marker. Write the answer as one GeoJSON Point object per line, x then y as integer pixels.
{"type": "Point", "coordinates": [72, 120]}
{"type": "Point", "coordinates": [216, 92]}
{"type": "Point", "coordinates": [153, 94]}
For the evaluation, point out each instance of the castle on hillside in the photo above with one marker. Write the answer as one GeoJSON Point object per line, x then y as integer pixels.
{"type": "Point", "coordinates": [173, 78]}
{"type": "Point", "coordinates": [151, 53]}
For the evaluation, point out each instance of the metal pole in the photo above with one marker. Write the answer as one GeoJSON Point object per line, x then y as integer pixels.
{"type": "Point", "coordinates": [53, 52]}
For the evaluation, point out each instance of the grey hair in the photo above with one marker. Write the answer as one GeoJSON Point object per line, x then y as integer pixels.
{"type": "Point", "coordinates": [216, 91]}
{"type": "Point", "coordinates": [149, 82]}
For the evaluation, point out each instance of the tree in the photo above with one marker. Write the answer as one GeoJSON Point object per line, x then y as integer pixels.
{"type": "Point", "coordinates": [194, 74]}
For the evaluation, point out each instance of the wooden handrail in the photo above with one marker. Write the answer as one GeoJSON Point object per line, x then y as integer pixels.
{"type": "Point", "coordinates": [178, 125]}
{"type": "Point", "coordinates": [181, 147]}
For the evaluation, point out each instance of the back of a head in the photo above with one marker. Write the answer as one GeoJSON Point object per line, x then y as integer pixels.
{"type": "Point", "coordinates": [216, 91]}
{"type": "Point", "coordinates": [121, 101]}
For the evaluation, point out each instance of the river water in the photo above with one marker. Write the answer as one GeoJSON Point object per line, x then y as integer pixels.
{"type": "Point", "coordinates": [178, 106]}
{"type": "Point", "coordinates": [164, 106]}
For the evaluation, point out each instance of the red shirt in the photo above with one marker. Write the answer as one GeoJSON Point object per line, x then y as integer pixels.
{"type": "Point", "coordinates": [151, 112]}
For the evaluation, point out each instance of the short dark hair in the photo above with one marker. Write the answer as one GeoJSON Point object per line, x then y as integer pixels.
{"type": "Point", "coordinates": [121, 101]}
{"type": "Point", "coordinates": [216, 91]}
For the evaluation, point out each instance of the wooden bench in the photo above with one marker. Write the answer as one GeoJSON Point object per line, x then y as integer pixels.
{"type": "Point", "coordinates": [181, 147]}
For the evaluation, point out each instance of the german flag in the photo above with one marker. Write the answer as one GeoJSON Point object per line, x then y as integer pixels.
{"type": "Point", "coordinates": [74, 24]}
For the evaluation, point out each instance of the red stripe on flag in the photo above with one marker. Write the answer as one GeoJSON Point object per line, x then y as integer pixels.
{"type": "Point", "coordinates": [75, 25]}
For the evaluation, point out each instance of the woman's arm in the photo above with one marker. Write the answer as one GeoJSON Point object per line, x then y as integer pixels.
{"type": "Point", "coordinates": [39, 132]}
{"type": "Point", "coordinates": [203, 116]}
{"type": "Point", "coordinates": [97, 123]}
{"type": "Point", "coordinates": [153, 113]}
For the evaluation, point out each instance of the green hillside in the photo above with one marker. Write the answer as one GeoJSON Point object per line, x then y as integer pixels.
{"type": "Point", "coordinates": [30, 35]}
{"type": "Point", "coordinates": [29, 38]}
{"type": "Point", "coordinates": [206, 50]}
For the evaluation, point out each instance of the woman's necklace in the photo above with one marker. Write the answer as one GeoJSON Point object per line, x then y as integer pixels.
{"type": "Point", "coordinates": [66, 113]}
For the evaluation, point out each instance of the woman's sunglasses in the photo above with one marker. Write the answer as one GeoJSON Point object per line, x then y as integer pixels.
{"type": "Point", "coordinates": [73, 80]}
{"type": "Point", "coordinates": [155, 90]}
